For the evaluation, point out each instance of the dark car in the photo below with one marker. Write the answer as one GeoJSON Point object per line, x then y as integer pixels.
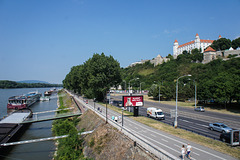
{"type": "Point", "coordinates": [225, 137]}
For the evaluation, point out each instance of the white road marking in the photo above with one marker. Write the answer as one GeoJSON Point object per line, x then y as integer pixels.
{"type": "Point", "coordinates": [177, 146]}
{"type": "Point", "coordinates": [187, 121]}
{"type": "Point", "coordinates": [164, 140]}
{"type": "Point", "coordinates": [152, 135]}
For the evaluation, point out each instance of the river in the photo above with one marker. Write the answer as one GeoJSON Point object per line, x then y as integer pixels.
{"type": "Point", "coordinates": [36, 151]}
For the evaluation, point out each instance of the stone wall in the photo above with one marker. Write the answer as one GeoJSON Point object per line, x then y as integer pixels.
{"type": "Point", "coordinates": [210, 56]}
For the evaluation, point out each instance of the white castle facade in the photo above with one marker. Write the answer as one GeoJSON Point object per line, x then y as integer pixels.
{"type": "Point", "coordinates": [197, 43]}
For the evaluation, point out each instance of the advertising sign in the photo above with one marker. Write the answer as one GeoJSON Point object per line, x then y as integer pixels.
{"type": "Point", "coordinates": [235, 137]}
{"type": "Point", "coordinates": [132, 101]}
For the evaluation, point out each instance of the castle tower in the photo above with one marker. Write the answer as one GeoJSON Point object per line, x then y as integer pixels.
{"type": "Point", "coordinates": [197, 41]}
{"type": "Point", "coordinates": [175, 47]}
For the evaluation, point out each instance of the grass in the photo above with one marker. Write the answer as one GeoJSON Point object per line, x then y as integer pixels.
{"type": "Point", "coordinates": [191, 105]}
{"type": "Point", "coordinates": [213, 144]}
{"type": "Point", "coordinates": [146, 72]}
{"type": "Point", "coordinates": [212, 108]}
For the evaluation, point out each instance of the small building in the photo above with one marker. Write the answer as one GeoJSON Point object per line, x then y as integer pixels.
{"type": "Point", "coordinates": [209, 55]}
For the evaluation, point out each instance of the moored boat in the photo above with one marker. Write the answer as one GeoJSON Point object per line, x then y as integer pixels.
{"type": "Point", "coordinates": [45, 98]}
{"type": "Point", "coordinates": [47, 93]}
{"type": "Point", "coordinates": [11, 127]}
{"type": "Point", "coordinates": [23, 101]}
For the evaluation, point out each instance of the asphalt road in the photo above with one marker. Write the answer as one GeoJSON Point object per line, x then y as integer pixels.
{"type": "Point", "coordinates": [166, 142]}
{"type": "Point", "coordinates": [189, 119]}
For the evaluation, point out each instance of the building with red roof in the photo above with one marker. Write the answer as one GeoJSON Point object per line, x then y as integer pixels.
{"type": "Point", "coordinates": [197, 43]}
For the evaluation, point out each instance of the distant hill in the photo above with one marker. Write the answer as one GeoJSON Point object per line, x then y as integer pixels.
{"type": "Point", "coordinates": [32, 81]}
{"type": "Point", "coordinates": [25, 84]}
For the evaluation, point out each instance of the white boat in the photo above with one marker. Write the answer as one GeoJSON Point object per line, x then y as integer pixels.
{"type": "Point", "coordinates": [45, 98]}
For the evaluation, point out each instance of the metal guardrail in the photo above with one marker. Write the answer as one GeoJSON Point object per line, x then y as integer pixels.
{"type": "Point", "coordinates": [41, 139]}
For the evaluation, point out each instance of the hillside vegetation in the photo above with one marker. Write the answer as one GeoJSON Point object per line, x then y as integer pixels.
{"type": "Point", "coordinates": [217, 81]}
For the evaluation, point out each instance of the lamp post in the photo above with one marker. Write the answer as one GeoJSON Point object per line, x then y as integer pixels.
{"type": "Point", "coordinates": [125, 85]}
{"type": "Point", "coordinates": [159, 93]}
{"type": "Point", "coordinates": [106, 108]}
{"type": "Point", "coordinates": [129, 84]}
{"type": "Point", "coordinates": [195, 93]}
{"type": "Point", "coordinates": [140, 87]}
{"type": "Point", "coordinates": [175, 122]}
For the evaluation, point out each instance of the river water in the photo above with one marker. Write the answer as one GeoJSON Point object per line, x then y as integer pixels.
{"type": "Point", "coordinates": [39, 150]}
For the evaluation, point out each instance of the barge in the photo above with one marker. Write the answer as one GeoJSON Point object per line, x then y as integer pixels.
{"type": "Point", "coordinates": [23, 101]}
{"type": "Point", "coordinates": [11, 127]}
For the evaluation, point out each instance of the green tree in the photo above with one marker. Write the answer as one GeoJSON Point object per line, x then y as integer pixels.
{"type": "Point", "coordinates": [196, 55]}
{"type": "Point", "coordinates": [221, 44]}
{"type": "Point", "coordinates": [95, 77]}
{"type": "Point", "coordinates": [236, 43]}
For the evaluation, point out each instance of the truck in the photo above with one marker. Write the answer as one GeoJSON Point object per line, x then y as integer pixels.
{"type": "Point", "coordinates": [155, 113]}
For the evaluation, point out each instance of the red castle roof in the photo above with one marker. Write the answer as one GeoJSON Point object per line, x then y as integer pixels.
{"type": "Point", "coordinates": [209, 49]}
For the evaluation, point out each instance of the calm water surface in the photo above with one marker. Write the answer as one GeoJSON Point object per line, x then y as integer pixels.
{"type": "Point", "coordinates": [33, 151]}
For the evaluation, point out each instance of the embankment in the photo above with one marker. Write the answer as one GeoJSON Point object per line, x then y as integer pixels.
{"type": "Point", "coordinates": [106, 142]}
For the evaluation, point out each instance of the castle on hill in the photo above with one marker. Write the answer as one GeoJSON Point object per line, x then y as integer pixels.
{"type": "Point", "coordinates": [189, 46]}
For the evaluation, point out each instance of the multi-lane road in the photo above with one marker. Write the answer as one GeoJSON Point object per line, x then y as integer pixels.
{"type": "Point", "coordinates": [171, 145]}
{"type": "Point", "coordinates": [189, 119]}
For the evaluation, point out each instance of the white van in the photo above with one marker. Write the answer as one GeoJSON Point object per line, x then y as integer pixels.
{"type": "Point", "coordinates": [155, 113]}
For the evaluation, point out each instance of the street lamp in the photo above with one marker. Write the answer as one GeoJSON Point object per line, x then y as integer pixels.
{"type": "Point", "coordinates": [129, 84]}
{"type": "Point", "coordinates": [140, 87]}
{"type": "Point", "coordinates": [159, 93]}
{"type": "Point", "coordinates": [195, 94]}
{"type": "Point", "coordinates": [125, 85]}
{"type": "Point", "coordinates": [175, 122]}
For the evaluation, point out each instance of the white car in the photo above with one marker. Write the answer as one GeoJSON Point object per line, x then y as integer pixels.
{"type": "Point", "coordinates": [200, 109]}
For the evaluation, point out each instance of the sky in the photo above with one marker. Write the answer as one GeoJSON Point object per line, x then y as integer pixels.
{"type": "Point", "coordinates": [43, 39]}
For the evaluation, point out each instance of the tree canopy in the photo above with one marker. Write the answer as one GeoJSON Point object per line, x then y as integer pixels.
{"type": "Point", "coordinates": [95, 77]}
{"type": "Point", "coordinates": [221, 44]}
{"type": "Point", "coordinates": [236, 43]}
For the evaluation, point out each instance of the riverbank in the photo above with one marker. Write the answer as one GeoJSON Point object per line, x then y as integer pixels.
{"type": "Point", "coordinates": [71, 146]}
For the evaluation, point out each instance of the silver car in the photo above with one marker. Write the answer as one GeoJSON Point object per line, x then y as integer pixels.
{"type": "Point", "coordinates": [219, 127]}
{"type": "Point", "coordinates": [200, 109]}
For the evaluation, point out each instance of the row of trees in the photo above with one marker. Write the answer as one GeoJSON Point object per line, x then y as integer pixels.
{"type": "Point", "coordinates": [224, 43]}
{"type": "Point", "coordinates": [12, 84]}
{"type": "Point", "coordinates": [95, 77]}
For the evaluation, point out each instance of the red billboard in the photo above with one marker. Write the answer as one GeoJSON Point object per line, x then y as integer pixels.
{"type": "Point", "coordinates": [132, 101]}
